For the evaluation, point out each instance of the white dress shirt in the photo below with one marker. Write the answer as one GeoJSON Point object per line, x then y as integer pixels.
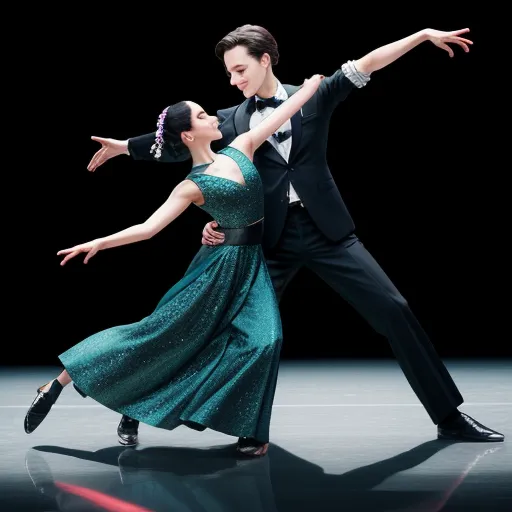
{"type": "Point", "coordinates": [283, 148]}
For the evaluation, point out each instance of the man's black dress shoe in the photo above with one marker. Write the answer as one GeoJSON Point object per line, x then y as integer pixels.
{"type": "Point", "coordinates": [465, 428]}
{"type": "Point", "coordinates": [41, 406]}
{"type": "Point", "coordinates": [128, 431]}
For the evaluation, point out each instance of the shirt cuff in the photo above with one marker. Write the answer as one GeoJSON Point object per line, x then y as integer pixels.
{"type": "Point", "coordinates": [357, 78]}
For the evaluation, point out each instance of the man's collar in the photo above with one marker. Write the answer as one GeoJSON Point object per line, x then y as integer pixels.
{"type": "Point", "coordinates": [280, 94]}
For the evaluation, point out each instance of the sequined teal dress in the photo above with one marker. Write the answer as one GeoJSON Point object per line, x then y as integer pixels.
{"type": "Point", "coordinates": [207, 356]}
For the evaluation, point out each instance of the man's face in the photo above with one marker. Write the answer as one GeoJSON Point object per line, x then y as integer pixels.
{"type": "Point", "coordinates": [246, 72]}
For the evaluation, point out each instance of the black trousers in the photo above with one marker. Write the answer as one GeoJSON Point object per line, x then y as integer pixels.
{"type": "Point", "coordinates": [352, 272]}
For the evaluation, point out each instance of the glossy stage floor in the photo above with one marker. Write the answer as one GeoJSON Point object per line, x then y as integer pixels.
{"type": "Point", "coordinates": [346, 436]}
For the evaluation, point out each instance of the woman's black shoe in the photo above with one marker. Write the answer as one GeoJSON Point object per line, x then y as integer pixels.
{"type": "Point", "coordinates": [41, 406]}
{"type": "Point", "coordinates": [251, 446]}
{"type": "Point", "coordinates": [128, 431]}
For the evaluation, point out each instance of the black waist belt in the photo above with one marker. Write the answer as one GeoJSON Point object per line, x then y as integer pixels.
{"type": "Point", "coordinates": [248, 235]}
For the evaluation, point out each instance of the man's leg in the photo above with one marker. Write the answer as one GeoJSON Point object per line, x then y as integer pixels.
{"type": "Point", "coordinates": [351, 271]}
{"type": "Point", "coordinates": [287, 257]}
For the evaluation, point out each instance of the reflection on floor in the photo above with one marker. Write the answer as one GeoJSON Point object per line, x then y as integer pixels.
{"type": "Point", "coordinates": [346, 435]}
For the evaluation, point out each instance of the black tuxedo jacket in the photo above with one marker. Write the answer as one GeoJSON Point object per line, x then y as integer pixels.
{"type": "Point", "coordinates": [307, 168]}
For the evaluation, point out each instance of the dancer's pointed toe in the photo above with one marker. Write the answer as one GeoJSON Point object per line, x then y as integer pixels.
{"type": "Point", "coordinates": [41, 406]}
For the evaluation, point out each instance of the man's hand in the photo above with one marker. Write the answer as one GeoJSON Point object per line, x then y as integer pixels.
{"type": "Point", "coordinates": [109, 149]}
{"type": "Point", "coordinates": [441, 38]}
{"type": "Point", "coordinates": [385, 55]}
{"type": "Point", "coordinates": [210, 236]}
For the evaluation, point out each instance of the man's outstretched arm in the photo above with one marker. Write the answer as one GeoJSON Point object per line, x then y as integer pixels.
{"type": "Point", "coordinates": [385, 55]}
{"type": "Point", "coordinates": [357, 73]}
{"type": "Point", "coordinates": [139, 148]}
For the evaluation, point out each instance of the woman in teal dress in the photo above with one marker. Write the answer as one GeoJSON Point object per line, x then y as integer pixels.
{"type": "Point", "coordinates": [208, 355]}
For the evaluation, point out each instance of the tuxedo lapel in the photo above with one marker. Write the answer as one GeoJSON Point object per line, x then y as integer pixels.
{"type": "Point", "coordinates": [243, 116]}
{"type": "Point", "coordinates": [242, 125]}
{"type": "Point", "coordinates": [296, 123]}
{"type": "Point", "coordinates": [296, 134]}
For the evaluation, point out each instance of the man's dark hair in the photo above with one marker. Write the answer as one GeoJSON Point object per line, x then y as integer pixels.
{"type": "Point", "coordinates": [257, 40]}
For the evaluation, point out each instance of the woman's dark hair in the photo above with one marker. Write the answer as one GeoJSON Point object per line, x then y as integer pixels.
{"type": "Point", "coordinates": [172, 121]}
{"type": "Point", "coordinates": [257, 40]}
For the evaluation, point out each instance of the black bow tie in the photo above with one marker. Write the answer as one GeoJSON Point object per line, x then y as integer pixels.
{"type": "Point", "coordinates": [282, 136]}
{"type": "Point", "coordinates": [267, 102]}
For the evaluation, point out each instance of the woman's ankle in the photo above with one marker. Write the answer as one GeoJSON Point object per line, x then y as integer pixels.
{"type": "Point", "coordinates": [64, 378]}
{"type": "Point", "coordinates": [47, 386]}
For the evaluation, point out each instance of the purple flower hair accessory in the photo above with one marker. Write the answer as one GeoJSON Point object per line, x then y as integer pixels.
{"type": "Point", "coordinates": [156, 148]}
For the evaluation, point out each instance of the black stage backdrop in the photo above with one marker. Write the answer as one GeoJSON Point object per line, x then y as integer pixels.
{"type": "Point", "coordinates": [404, 152]}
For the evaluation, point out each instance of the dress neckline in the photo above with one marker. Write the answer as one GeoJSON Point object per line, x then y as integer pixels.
{"type": "Point", "coordinates": [202, 165]}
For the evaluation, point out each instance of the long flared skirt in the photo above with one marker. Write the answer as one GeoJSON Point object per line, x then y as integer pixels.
{"type": "Point", "coordinates": [206, 357]}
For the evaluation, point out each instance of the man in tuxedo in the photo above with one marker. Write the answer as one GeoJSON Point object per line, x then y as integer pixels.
{"type": "Point", "coordinates": [306, 220]}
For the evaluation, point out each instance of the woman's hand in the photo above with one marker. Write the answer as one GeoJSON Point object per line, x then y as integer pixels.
{"type": "Point", "coordinates": [89, 248]}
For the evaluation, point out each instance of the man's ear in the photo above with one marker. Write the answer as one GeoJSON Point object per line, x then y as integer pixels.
{"type": "Point", "coordinates": [265, 60]}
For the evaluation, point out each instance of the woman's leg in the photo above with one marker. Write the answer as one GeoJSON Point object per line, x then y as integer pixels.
{"type": "Point", "coordinates": [64, 379]}
{"type": "Point", "coordinates": [46, 397]}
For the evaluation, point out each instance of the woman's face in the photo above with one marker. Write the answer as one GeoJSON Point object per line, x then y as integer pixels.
{"type": "Point", "coordinates": [204, 127]}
